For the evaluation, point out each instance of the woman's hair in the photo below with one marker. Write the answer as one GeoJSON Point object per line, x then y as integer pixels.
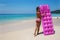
{"type": "Point", "coordinates": [37, 8]}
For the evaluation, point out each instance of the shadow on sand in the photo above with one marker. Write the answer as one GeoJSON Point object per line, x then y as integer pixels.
{"type": "Point", "coordinates": [40, 33]}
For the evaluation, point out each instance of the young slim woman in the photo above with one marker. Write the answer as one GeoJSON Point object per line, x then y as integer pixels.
{"type": "Point", "coordinates": [38, 21]}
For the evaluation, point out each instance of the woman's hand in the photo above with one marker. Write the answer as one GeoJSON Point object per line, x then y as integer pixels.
{"type": "Point", "coordinates": [43, 14]}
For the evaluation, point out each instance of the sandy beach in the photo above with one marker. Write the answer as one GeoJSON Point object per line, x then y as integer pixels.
{"type": "Point", "coordinates": [24, 30]}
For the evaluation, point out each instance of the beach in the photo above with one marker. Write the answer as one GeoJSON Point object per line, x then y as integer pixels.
{"type": "Point", "coordinates": [24, 30]}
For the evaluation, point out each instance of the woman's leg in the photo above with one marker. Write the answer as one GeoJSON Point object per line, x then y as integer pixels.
{"type": "Point", "coordinates": [37, 28]}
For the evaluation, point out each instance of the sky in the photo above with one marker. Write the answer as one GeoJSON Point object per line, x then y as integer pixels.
{"type": "Point", "coordinates": [26, 6]}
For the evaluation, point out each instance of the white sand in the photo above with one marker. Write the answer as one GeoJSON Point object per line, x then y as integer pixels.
{"type": "Point", "coordinates": [23, 30]}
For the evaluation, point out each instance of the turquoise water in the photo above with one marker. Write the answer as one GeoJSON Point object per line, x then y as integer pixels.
{"type": "Point", "coordinates": [9, 17]}
{"type": "Point", "coordinates": [6, 17]}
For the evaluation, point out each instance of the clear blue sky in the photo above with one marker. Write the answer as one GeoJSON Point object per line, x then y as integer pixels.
{"type": "Point", "coordinates": [26, 6]}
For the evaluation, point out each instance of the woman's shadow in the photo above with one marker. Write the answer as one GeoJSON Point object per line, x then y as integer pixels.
{"type": "Point", "coordinates": [40, 33]}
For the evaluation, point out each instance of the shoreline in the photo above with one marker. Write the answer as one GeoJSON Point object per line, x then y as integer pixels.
{"type": "Point", "coordinates": [10, 21]}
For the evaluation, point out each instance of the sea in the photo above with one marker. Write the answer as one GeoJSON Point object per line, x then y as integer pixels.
{"type": "Point", "coordinates": [20, 16]}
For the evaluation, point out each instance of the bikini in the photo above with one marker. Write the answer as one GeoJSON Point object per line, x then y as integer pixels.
{"type": "Point", "coordinates": [38, 20]}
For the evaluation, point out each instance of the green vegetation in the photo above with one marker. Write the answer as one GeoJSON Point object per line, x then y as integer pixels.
{"type": "Point", "coordinates": [56, 11]}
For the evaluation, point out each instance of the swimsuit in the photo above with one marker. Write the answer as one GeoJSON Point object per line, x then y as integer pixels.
{"type": "Point", "coordinates": [38, 20]}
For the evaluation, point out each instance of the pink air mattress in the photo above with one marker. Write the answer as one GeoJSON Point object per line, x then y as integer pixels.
{"type": "Point", "coordinates": [46, 20]}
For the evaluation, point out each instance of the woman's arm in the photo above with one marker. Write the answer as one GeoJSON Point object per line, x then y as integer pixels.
{"type": "Point", "coordinates": [37, 14]}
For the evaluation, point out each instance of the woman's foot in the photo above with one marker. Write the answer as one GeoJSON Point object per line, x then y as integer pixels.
{"type": "Point", "coordinates": [35, 34]}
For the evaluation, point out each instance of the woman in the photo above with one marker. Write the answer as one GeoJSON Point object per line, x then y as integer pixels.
{"type": "Point", "coordinates": [38, 21]}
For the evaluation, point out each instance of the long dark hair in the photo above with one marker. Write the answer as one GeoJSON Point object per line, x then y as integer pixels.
{"type": "Point", "coordinates": [37, 9]}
